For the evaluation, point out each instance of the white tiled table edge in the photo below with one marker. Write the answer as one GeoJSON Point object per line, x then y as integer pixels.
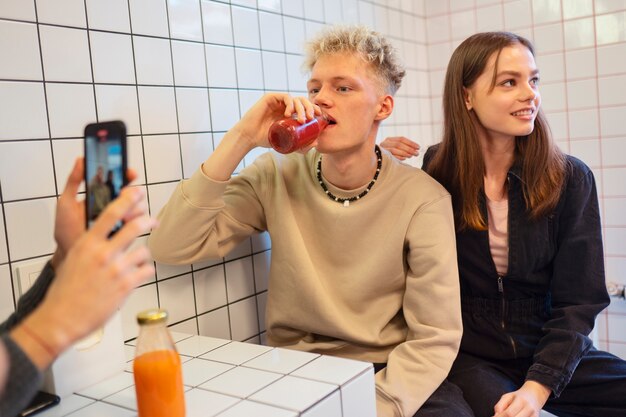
{"type": "Point", "coordinates": [178, 337]}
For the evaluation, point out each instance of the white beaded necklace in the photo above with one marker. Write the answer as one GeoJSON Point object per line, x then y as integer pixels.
{"type": "Point", "coordinates": [346, 201]}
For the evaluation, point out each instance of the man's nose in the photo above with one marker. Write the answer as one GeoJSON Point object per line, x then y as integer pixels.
{"type": "Point", "coordinates": [322, 98]}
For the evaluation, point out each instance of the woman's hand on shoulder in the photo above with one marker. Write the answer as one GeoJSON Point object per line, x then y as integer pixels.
{"type": "Point", "coordinates": [401, 147]}
{"type": "Point", "coordinates": [525, 402]}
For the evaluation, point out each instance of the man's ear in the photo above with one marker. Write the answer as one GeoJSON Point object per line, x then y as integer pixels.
{"type": "Point", "coordinates": [467, 97]}
{"type": "Point", "coordinates": [386, 107]}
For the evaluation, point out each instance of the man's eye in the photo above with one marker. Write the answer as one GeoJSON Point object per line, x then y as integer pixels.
{"type": "Point", "coordinates": [314, 91]}
{"type": "Point", "coordinates": [534, 81]}
{"type": "Point", "coordinates": [344, 89]}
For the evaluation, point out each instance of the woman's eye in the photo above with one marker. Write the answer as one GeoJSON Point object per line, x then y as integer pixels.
{"type": "Point", "coordinates": [314, 91]}
{"type": "Point", "coordinates": [508, 83]}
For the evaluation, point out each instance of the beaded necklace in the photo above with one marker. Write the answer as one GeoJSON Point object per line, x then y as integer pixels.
{"type": "Point", "coordinates": [346, 201]}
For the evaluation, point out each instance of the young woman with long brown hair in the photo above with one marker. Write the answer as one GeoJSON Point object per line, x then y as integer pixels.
{"type": "Point", "coordinates": [529, 243]}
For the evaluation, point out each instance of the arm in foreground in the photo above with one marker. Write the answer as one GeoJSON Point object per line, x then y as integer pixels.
{"type": "Point", "coordinates": [62, 318]}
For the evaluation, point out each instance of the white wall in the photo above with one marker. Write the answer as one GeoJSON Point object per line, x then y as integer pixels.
{"type": "Point", "coordinates": [181, 72]}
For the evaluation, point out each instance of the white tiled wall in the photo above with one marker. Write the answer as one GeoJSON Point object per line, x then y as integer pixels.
{"type": "Point", "coordinates": [181, 72]}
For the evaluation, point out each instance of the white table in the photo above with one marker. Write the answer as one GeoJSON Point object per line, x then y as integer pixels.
{"type": "Point", "coordinates": [233, 379]}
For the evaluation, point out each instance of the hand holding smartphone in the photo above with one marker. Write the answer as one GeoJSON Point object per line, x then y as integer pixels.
{"type": "Point", "coordinates": [105, 175]}
{"type": "Point", "coordinates": [105, 166]}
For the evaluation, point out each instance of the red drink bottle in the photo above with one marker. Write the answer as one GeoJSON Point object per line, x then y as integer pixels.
{"type": "Point", "coordinates": [288, 135]}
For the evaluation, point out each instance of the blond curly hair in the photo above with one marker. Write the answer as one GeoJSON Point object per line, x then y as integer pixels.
{"type": "Point", "coordinates": [373, 47]}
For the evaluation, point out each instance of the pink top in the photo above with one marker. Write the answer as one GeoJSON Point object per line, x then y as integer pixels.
{"type": "Point", "coordinates": [497, 212]}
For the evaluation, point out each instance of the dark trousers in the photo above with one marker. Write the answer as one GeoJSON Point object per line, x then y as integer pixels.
{"type": "Point", "coordinates": [597, 388]}
{"type": "Point", "coordinates": [446, 401]}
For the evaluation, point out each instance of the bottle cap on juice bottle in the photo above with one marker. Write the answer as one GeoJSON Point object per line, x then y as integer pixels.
{"type": "Point", "coordinates": [152, 316]}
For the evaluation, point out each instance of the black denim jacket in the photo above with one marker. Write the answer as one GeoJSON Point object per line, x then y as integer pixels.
{"type": "Point", "coordinates": [546, 305]}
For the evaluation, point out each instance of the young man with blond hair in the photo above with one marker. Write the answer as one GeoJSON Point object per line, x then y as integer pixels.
{"type": "Point", "coordinates": [374, 279]}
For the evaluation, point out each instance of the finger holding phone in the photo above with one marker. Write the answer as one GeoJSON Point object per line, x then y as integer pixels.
{"type": "Point", "coordinates": [71, 214]}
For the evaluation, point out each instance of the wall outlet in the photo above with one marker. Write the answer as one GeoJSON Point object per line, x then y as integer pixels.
{"type": "Point", "coordinates": [27, 274]}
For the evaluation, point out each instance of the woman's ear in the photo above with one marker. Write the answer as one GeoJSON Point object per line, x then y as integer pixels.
{"type": "Point", "coordinates": [467, 97]}
{"type": "Point", "coordinates": [385, 107]}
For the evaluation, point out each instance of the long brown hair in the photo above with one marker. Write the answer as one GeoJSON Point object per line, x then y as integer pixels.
{"type": "Point", "coordinates": [458, 163]}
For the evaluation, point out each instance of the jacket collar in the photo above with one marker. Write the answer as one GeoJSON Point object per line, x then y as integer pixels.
{"type": "Point", "coordinates": [516, 170]}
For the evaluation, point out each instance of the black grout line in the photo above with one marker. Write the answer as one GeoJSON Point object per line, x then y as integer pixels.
{"type": "Point", "coordinates": [255, 289]}
{"type": "Point", "coordinates": [6, 230]}
{"type": "Point", "coordinates": [230, 331]}
{"type": "Point", "coordinates": [182, 163]}
{"type": "Point", "coordinates": [6, 241]}
{"type": "Point", "coordinates": [206, 69]}
{"type": "Point", "coordinates": [45, 94]}
{"type": "Point", "coordinates": [93, 83]}
{"type": "Point", "coordinates": [143, 149]}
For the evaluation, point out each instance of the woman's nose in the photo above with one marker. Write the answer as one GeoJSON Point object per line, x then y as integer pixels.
{"type": "Point", "coordinates": [529, 93]}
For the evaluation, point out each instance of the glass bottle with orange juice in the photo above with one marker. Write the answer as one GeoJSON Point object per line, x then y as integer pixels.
{"type": "Point", "coordinates": [157, 368]}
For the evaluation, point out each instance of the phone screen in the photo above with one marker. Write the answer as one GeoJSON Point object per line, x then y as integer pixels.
{"type": "Point", "coordinates": [105, 166]}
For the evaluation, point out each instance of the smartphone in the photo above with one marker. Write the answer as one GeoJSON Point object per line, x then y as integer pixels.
{"type": "Point", "coordinates": [41, 402]}
{"type": "Point", "coordinates": [105, 166]}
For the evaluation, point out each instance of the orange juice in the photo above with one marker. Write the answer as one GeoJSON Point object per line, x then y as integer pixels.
{"type": "Point", "coordinates": [159, 384]}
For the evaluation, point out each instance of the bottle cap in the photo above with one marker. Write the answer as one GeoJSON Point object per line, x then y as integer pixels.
{"type": "Point", "coordinates": [152, 316]}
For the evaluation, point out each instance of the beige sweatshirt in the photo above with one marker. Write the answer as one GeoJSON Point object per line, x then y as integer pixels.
{"type": "Point", "coordinates": [376, 281]}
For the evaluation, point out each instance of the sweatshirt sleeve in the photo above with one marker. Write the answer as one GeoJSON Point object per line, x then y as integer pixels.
{"type": "Point", "coordinates": [432, 310]}
{"type": "Point", "coordinates": [205, 219]}
{"type": "Point", "coordinates": [578, 286]}
{"type": "Point", "coordinates": [30, 300]}
{"type": "Point", "coordinates": [23, 380]}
